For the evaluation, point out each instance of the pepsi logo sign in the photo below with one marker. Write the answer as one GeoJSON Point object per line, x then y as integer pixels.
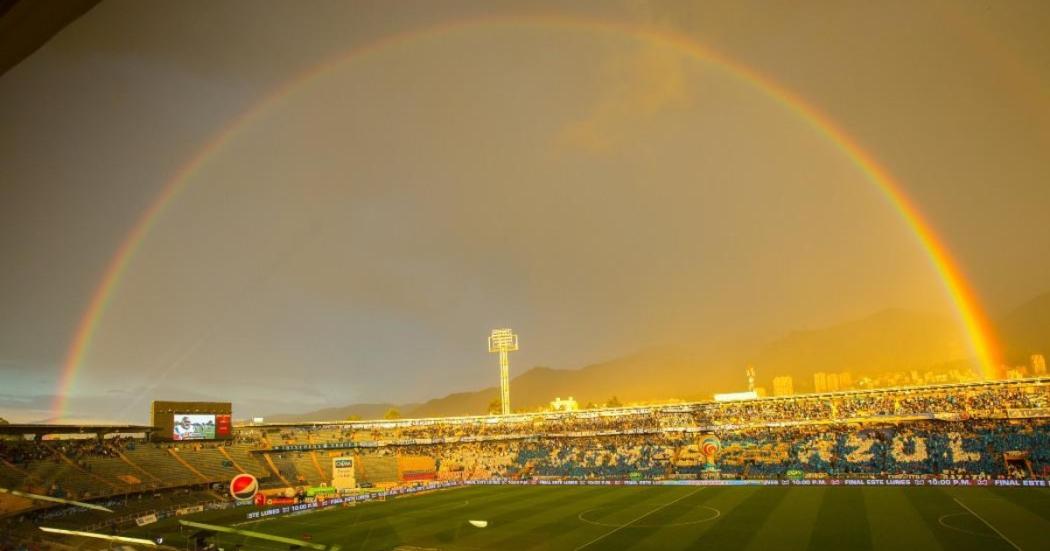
{"type": "Point", "coordinates": [244, 486]}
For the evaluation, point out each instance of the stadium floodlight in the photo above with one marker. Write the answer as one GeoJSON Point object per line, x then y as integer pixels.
{"type": "Point", "coordinates": [503, 341]}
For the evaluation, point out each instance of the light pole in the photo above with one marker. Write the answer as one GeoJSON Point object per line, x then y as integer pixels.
{"type": "Point", "coordinates": [503, 341]}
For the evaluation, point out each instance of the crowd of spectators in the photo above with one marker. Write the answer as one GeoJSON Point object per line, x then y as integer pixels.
{"type": "Point", "coordinates": [974, 448]}
{"type": "Point", "coordinates": [993, 430]}
{"type": "Point", "coordinates": [961, 402]}
{"type": "Point", "coordinates": [811, 433]}
{"type": "Point", "coordinates": [22, 452]}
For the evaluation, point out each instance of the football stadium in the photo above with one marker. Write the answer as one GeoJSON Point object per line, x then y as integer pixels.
{"type": "Point", "coordinates": [951, 466]}
{"type": "Point", "coordinates": [780, 272]}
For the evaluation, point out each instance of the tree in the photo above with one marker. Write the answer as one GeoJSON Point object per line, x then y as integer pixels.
{"type": "Point", "coordinates": [614, 402]}
{"type": "Point", "coordinates": [4, 421]}
{"type": "Point", "coordinates": [495, 406]}
{"type": "Point", "coordinates": [356, 417]}
{"type": "Point", "coordinates": [392, 413]}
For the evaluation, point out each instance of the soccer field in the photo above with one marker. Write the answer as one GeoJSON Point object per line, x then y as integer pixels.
{"type": "Point", "coordinates": [677, 517]}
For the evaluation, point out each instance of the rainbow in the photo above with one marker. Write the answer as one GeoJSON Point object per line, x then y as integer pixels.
{"type": "Point", "coordinates": [966, 305]}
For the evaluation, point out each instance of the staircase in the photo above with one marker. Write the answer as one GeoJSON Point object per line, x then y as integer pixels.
{"type": "Point", "coordinates": [274, 469]}
{"type": "Point", "coordinates": [176, 454]}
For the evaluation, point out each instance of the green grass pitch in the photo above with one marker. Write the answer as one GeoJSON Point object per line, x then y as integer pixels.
{"type": "Point", "coordinates": [670, 517]}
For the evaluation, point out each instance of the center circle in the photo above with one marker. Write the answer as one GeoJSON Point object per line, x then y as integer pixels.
{"type": "Point", "coordinates": [583, 518]}
{"type": "Point", "coordinates": [950, 526]}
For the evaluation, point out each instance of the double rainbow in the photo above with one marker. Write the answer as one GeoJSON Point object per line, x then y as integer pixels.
{"type": "Point", "coordinates": [967, 308]}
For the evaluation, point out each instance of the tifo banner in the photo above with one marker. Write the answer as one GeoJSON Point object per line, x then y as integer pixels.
{"type": "Point", "coordinates": [1027, 413]}
{"type": "Point", "coordinates": [343, 476]}
{"type": "Point", "coordinates": [146, 519]}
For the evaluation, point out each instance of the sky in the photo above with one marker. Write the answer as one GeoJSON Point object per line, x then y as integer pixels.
{"type": "Point", "coordinates": [445, 168]}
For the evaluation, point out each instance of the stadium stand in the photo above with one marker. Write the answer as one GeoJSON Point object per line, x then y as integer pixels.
{"type": "Point", "coordinates": [159, 462]}
{"type": "Point", "coordinates": [240, 454]}
{"type": "Point", "coordinates": [208, 461]}
{"type": "Point", "coordinates": [378, 470]}
{"type": "Point", "coordinates": [994, 430]}
{"type": "Point", "coordinates": [305, 468]}
{"type": "Point", "coordinates": [12, 477]}
{"type": "Point", "coordinates": [885, 431]}
{"type": "Point", "coordinates": [417, 467]}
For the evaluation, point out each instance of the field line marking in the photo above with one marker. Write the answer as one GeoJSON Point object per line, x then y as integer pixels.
{"type": "Point", "coordinates": [988, 524]}
{"type": "Point", "coordinates": [940, 520]}
{"type": "Point", "coordinates": [583, 518]}
{"type": "Point", "coordinates": [621, 527]}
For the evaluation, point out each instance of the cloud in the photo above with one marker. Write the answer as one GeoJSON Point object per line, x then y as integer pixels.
{"type": "Point", "coordinates": [635, 88]}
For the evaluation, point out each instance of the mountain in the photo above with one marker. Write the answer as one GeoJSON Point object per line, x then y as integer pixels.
{"type": "Point", "coordinates": [657, 374]}
{"type": "Point", "coordinates": [891, 340]}
{"type": "Point", "coordinates": [1026, 331]}
{"type": "Point", "coordinates": [364, 411]}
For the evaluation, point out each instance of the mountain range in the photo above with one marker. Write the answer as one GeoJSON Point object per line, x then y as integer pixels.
{"type": "Point", "coordinates": [890, 340]}
{"type": "Point", "coordinates": [1026, 331]}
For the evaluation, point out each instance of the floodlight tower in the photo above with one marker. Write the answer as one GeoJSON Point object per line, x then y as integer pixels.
{"type": "Point", "coordinates": [503, 341]}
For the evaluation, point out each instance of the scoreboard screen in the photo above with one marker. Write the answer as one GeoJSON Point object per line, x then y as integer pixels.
{"type": "Point", "coordinates": [192, 426]}
{"type": "Point", "coordinates": [179, 421]}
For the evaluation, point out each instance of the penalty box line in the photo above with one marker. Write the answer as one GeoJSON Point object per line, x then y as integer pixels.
{"type": "Point", "coordinates": [988, 524]}
{"type": "Point", "coordinates": [621, 527]}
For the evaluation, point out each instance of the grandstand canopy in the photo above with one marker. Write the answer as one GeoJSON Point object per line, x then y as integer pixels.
{"type": "Point", "coordinates": [27, 25]}
{"type": "Point", "coordinates": [42, 429]}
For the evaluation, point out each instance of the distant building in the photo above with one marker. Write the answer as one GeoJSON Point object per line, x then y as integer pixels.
{"type": "Point", "coordinates": [845, 380]}
{"type": "Point", "coordinates": [783, 386]}
{"type": "Point", "coordinates": [820, 382]}
{"type": "Point", "coordinates": [1015, 373]}
{"type": "Point", "coordinates": [564, 405]}
{"type": "Point", "coordinates": [935, 378]}
{"type": "Point", "coordinates": [833, 382]}
{"type": "Point", "coordinates": [1038, 365]}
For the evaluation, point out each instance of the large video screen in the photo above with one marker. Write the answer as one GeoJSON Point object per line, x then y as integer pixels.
{"type": "Point", "coordinates": [191, 420]}
{"type": "Point", "coordinates": [190, 426]}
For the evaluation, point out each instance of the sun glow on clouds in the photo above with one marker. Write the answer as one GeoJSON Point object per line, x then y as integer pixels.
{"type": "Point", "coordinates": [636, 86]}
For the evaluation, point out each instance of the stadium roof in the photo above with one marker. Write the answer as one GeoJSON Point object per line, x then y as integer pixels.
{"type": "Point", "coordinates": [26, 25]}
{"type": "Point", "coordinates": [41, 429]}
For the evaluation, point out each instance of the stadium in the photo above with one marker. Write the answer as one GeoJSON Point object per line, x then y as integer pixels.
{"type": "Point", "coordinates": [780, 271]}
{"type": "Point", "coordinates": [955, 466]}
